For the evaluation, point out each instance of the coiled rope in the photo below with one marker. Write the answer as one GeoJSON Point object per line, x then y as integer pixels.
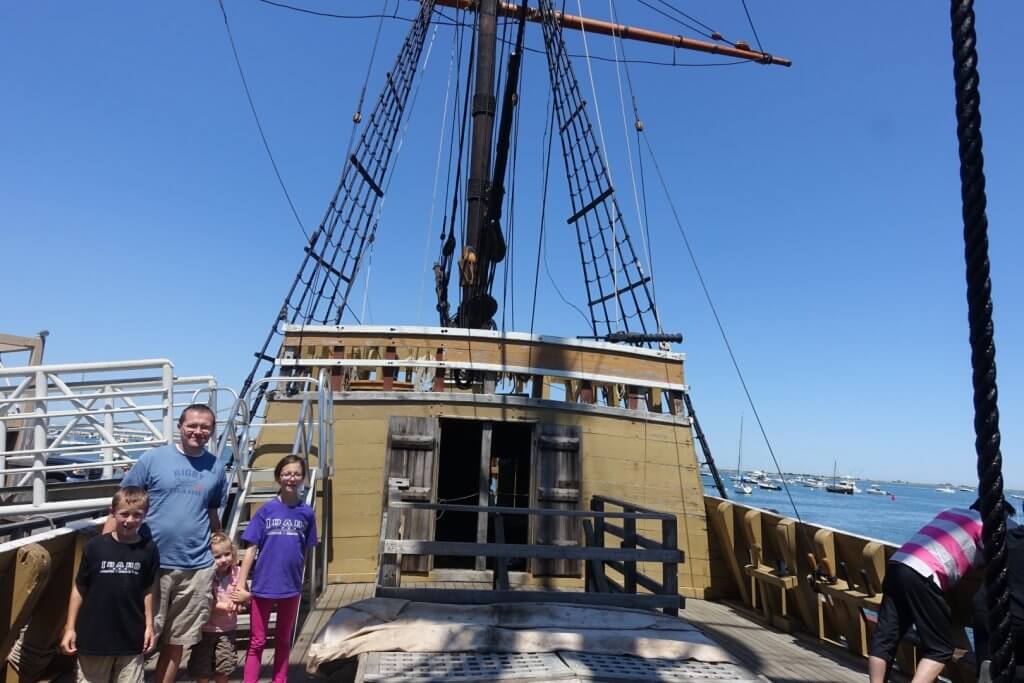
{"type": "Point", "coordinates": [983, 350]}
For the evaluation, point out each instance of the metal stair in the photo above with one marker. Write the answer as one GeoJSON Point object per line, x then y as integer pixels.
{"type": "Point", "coordinates": [251, 485]}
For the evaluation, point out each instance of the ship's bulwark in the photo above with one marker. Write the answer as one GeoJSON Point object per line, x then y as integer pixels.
{"type": "Point", "coordinates": [651, 463]}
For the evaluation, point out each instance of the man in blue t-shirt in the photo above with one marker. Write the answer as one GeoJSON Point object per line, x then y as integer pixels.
{"type": "Point", "coordinates": [186, 486]}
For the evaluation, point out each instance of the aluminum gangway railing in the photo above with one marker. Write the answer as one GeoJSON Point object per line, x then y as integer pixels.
{"type": "Point", "coordinates": [312, 438]}
{"type": "Point", "coordinates": [64, 418]}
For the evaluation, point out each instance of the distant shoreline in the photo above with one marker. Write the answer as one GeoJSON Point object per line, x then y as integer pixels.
{"type": "Point", "coordinates": [904, 482]}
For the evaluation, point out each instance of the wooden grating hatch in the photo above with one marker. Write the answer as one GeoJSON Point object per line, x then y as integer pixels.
{"type": "Point", "coordinates": [464, 667]}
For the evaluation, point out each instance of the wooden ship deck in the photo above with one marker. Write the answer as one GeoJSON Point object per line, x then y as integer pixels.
{"type": "Point", "coordinates": [774, 655]}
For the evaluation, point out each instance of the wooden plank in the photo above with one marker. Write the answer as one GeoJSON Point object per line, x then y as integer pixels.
{"type": "Point", "coordinates": [412, 454]}
{"type": "Point", "coordinates": [556, 474]}
{"type": "Point", "coordinates": [487, 596]}
{"type": "Point", "coordinates": [520, 550]}
{"type": "Point", "coordinates": [390, 560]}
{"type": "Point", "coordinates": [540, 512]}
{"type": "Point", "coordinates": [483, 490]}
{"type": "Point", "coordinates": [658, 367]}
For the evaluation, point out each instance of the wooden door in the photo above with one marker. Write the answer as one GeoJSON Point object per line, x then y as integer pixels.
{"type": "Point", "coordinates": [556, 476]}
{"type": "Point", "coordinates": [412, 454]}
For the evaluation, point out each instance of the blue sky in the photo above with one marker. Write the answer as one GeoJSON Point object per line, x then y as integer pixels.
{"type": "Point", "coordinates": [140, 217]}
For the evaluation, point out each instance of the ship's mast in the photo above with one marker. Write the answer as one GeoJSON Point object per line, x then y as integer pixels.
{"type": "Point", "coordinates": [484, 247]}
{"type": "Point", "coordinates": [477, 306]}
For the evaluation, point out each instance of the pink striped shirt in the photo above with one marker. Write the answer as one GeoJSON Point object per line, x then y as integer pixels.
{"type": "Point", "coordinates": [945, 548]}
{"type": "Point", "coordinates": [223, 587]}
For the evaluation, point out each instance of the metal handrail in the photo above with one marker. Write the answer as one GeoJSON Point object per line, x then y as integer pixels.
{"type": "Point", "coordinates": [239, 435]}
{"type": "Point", "coordinates": [116, 409]}
{"type": "Point", "coordinates": [55, 415]}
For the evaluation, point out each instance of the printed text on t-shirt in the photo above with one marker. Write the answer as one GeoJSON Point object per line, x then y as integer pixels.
{"type": "Point", "coordinates": [110, 567]}
{"type": "Point", "coordinates": [285, 527]}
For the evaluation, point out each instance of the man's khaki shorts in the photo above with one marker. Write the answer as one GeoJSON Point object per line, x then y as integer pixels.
{"type": "Point", "coordinates": [183, 605]}
{"type": "Point", "coordinates": [103, 669]}
{"type": "Point", "coordinates": [214, 654]}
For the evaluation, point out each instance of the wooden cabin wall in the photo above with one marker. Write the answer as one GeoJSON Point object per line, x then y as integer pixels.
{"type": "Point", "coordinates": [641, 462]}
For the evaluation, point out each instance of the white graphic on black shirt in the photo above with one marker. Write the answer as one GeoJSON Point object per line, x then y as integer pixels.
{"type": "Point", "coordinates": [111, 567]}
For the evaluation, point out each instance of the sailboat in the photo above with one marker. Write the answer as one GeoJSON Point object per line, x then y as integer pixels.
{"type": "Point", "coordinates": [740, 486]}
{"type": "Point", "coordinates": [846, 486]}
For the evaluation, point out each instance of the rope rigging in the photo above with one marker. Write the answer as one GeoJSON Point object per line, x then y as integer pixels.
{"type": "Point", "coordinates": [336, 248]}
{"type": "Point", "coordinates": [983, 350]}
{"type": "Point", "coordinates": [605, 248]}
{"type": "Point", "coordinates": [453, 65]}
{"type": "Point", "coordinates": [256, 118]}
{"type": "Point", "coordinates": [443, 267]}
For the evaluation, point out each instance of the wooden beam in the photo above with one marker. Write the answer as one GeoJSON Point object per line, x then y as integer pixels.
{"type": "Point", "coordinates": [483, 496]}
{"type": "Point", "coordinates": [625, 32]}
{"type": "Point", "coordinates": [533, 512]}
{"type": "Point", "coordinates": [486, 597]}
{"type": "Point", "coordinates": [524, 550]}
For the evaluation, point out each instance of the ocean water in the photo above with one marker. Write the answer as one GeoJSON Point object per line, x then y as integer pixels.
{"type": "Point", "coordinates": [891, 518]}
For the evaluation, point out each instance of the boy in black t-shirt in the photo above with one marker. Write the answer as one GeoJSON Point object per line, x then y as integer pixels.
{"type": "Point", "coordinates": [110, 616]}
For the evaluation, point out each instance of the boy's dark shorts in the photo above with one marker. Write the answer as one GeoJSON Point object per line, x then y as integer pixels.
{"type": "Point", "coordinates": [214, 654]}
{"type": "Point", "coordinates": [912, 600]}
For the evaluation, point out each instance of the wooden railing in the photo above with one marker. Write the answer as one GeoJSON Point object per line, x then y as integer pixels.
{"type": "Point", "coordinates": [825, 582]}
{"type": "Point", "coordinates": [597, 579]}
{"type": "Point", "coordinates": [585, 373]}
{"type": "Point", "coordinates": [600, 589]}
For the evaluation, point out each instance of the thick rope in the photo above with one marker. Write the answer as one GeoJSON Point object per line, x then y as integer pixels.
{"type": "Point", "coordinates": [983, 350]}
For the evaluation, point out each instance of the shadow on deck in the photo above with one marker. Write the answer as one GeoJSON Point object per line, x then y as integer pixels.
{"type": "Point", "coordinates": [777, 656]}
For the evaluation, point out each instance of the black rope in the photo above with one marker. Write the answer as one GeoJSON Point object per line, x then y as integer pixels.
{"type": "Point", "coordinates": [259, 126]}
{"type": "Point", "coordinates": [448, 21]}
{"type": "Point", "coordinates": [549, 133]}
{"type": "Point", "coordinates": [983, 349]}
{"type": "Point", "coordinates": [750, 21]}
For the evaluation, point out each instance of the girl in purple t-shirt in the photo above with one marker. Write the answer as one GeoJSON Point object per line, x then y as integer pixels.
{"type": "Point", "coordinates": [279, 534]}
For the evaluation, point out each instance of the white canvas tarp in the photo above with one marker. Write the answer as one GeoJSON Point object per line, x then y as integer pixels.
{"type": "Point", "coordinates": [386, 624]}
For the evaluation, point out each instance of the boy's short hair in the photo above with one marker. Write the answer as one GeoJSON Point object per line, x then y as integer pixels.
{"type": "Point", "coordinates": [130, 495]}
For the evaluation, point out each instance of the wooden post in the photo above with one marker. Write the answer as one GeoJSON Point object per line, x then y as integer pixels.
{"type": "Point", "coordinates": [439, 373]}
{"type": "Point", "coordinates": [484, 489]}
{"type": "Point", "coordinates": [723, 522]}
{"type": "Point", "coordinates": [390, 575]}
{"type": "Point", "coordinates": [595, 581]}
{"type": "Point", "coordinates": [586, 391]}
{"type": "Point", "coordinates": [670, 570]}
{"type": "Point", "coordinates": [752, 534]}
{"type": "Point", "coordinates": [629, 532]}
{"type": "Point", "coordinates": [786, 534]}
{"type": "Point", "coordinates": [388, 374]}
{"type": "Point", "coordinates": [599, 579]}
{"type": "Point", "coordinates": [597, 505]}
{"type": "Point", "coordinates": [500, 563]}
{"type": "Point", "coordinates": [336, 371]}
{"type": "Point", "coordinates": [537, 386]}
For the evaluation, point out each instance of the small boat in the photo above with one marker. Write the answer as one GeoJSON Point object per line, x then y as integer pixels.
{"type": "Point", "coordinates": [945, 488]}
{"type": "Point", "coordinates": [846, 486]}
{"type": "Point", "coordinates": [967, 489]}
{"type": "Point", "coordinates": [768, 485]}
{"type": "Point", "coordinates": [743, 489]}
{"type": "Point", "coordinates": [875, 491]}
{"type": "Point", "coordinates": [812, 483]}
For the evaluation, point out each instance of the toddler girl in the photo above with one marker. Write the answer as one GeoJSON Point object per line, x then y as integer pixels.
{"type": "Point", "coordinates": [214, 656]}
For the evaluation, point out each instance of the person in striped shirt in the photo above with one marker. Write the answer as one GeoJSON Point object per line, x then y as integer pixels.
{"type": "Point", "coordinates": [928, 565]}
